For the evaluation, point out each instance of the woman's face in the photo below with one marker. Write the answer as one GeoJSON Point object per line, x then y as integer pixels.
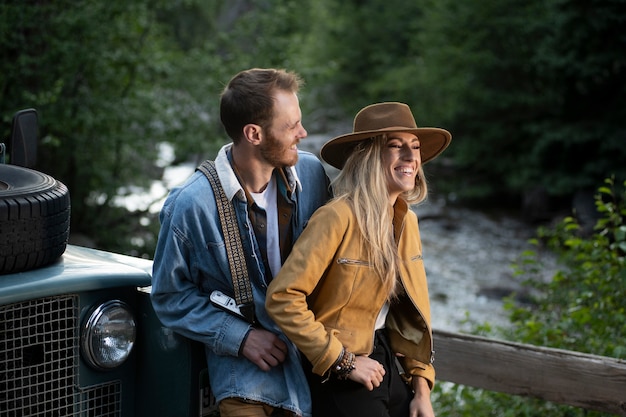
{"type": "Point", "coordinates": [401, 161]}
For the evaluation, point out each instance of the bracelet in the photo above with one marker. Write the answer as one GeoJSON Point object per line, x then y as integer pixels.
{"type": "Point", "coordinates": [344, 364]}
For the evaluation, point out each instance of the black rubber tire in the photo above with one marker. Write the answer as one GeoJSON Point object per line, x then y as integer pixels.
{"type": "Point", "coordinates": [34, 219]}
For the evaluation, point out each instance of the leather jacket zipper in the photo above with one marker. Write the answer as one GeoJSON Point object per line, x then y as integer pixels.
{"type": "Point", "coordinates": [346, 261]}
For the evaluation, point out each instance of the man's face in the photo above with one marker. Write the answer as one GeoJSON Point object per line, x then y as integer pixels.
{"type": "Point", "coordinates": [280, 140]}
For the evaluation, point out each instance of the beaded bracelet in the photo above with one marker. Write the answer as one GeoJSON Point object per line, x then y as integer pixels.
{"type": "Point", "coordinates": [344, 365]}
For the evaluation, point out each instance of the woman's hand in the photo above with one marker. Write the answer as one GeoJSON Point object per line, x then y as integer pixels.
{"type": "Point", "coordinates": [420, 404]}
{"type": "Point", "coordinates": [368, 372]}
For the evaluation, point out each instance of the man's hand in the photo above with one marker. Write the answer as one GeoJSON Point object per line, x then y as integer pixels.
{"type": "Point", "coordinates": [264, 349]}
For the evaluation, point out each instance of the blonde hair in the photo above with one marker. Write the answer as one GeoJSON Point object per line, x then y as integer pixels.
{"type": "Point", "coordinates": [363, 184]}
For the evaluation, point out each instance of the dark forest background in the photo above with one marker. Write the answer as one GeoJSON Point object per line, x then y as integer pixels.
{"type": "Point", "coordinates": [533, 91]}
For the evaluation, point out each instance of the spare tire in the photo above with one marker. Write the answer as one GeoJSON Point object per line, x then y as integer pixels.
{"type": "Point", "coordinates": [34, 219]}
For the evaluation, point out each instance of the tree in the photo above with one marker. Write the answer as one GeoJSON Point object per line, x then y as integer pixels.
{"type": "Point", "coordinates": [88, 67]}
{"type": "Point", "coordinates": [533, 91]}
{"type": "Point", "coordinates": [113, 80]}
{"type": "Point", "coordinates": [581, 139]}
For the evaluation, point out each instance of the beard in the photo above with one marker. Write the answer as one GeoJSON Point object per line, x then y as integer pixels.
{"type": "Point", "coordinates": [276, 153]}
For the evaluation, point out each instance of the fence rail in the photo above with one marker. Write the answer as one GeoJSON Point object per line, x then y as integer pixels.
{"type": "Point", "coordinates": [582, 380]}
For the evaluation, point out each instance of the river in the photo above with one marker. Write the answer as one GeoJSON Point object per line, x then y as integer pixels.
{"type": "Point", "coordinates": [468, 256]}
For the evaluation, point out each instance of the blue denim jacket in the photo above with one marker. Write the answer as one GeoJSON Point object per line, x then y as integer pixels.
{"type": "Point", "coordinates": [190, 262]}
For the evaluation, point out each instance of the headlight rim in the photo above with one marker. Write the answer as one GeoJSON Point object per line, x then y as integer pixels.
{"type": "Point", "coordinates": [88, 349]}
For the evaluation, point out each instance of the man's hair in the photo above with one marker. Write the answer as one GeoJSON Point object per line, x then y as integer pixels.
{"type": "Point", "coordinates": [249, 98]}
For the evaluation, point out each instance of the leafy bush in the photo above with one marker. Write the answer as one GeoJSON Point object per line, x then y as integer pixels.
{"type": "Point", "coordinates": [581, 308]}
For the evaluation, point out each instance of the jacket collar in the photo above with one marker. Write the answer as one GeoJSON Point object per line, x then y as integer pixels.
{"type": "Point", "coordinates": [399, 213]}
{"type": "Point", "coordinates": [229, 181]}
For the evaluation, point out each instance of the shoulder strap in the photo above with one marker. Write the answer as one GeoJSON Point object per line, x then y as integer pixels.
{"type": "Point", "coordinates": [232, 239]}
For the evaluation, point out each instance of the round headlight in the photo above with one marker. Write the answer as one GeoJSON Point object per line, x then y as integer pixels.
{"type": "Point", "coordinates": [108, 335]}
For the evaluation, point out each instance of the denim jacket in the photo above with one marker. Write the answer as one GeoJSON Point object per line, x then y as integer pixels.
{"type": "Point", "coordinates": [191, 261]}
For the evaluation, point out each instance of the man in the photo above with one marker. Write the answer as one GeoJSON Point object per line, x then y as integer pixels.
{"type": "Point", "coordinates": [253, 369]}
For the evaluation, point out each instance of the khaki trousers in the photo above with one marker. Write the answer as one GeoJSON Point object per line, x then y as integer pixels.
{"type": "Point", "coordinates": [236, 407]}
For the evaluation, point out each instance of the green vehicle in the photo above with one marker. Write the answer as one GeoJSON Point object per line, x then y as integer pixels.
{"type": "Point", "coordinates": [78, 335]}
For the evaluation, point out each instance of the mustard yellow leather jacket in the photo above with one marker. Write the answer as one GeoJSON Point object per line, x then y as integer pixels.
{"type": "Point", "coordinates": [326, 296]}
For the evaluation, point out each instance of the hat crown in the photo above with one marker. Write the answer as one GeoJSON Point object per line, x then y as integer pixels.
{"type": "Point", "coordinates": [384, 116]}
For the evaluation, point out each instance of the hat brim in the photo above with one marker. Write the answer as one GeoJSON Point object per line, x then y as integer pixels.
{"type": "Point", "coordinates": [433, 141]}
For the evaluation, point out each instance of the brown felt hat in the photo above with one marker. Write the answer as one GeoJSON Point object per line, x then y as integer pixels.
{"type": "Point", "coordinates": [380, 118]}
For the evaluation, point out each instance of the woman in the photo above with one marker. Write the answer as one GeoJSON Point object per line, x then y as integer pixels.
{"type": "Point", "coordinates": [353, 295]}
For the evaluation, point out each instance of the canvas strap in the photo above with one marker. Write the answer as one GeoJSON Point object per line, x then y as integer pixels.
{"type": "Point", "coordinates": [232, 239]}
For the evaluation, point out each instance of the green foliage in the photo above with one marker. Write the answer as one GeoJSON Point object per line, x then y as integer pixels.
{"type": "Point", "coordinates": [482, 54]}
{"type": "Point", "coordinates": [369, 46]}
{"type": "Point", "coordinates": [580, 64]}
{"type": "Point", "coordinates": [481, 57]}
{"type": "Point", "coordinates": [533, 91]}
{"type": "Point", "coordinates": [460, 401]}
{"type": "Point", "coordinates": [89, 68]}
{"type": "Point", "coordinates": [581, 308]}
{"type": "Point", "coordinates": [113, 80]}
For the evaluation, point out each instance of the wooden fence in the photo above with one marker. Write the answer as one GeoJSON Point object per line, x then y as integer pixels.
{"type": "Point", "coordinates": [587, 381]}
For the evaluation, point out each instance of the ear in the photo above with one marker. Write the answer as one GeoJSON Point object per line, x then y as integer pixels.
{"type": "Point", "coordinates": [253, 133]}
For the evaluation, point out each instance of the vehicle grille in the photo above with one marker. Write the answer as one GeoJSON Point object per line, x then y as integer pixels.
{"type": "Point", "coordinates": [39, 348]}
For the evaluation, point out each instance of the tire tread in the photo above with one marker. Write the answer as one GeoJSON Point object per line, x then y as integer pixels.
{"type": "Point", "coordinates": [34, 230]}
